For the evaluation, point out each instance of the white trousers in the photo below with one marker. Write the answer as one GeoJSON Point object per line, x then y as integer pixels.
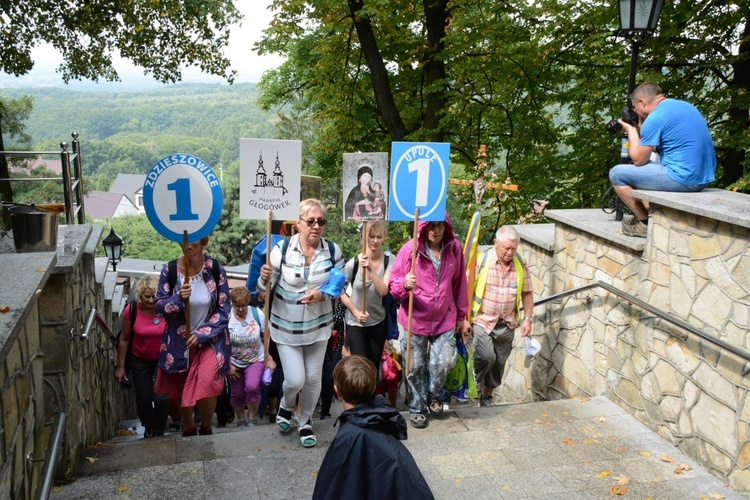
{"type": "Point", "coordinates": [303, 372]}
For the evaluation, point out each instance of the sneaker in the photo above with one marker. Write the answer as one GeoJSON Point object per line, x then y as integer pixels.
{"type": "Point", "coordinates": [242, 423]}
{"type": "Point", "coordinates": [486, 402]}
{"type": "Point", "coordinates": [637, 230]}
{"type": "Point", "coordinates": [418, 420]}
{"type": "Point", "coordinates": [630, 221]}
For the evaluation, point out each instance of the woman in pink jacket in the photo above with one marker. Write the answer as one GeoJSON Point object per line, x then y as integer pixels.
{"type": "Point", "coordinates": [439, 310]}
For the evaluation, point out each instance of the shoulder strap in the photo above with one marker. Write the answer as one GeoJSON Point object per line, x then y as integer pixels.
{"type": "Point", "coordinates": [216, 271]}
{"type": "Point", "coordinates": [332, 251]}
{"type": "Point", "coordinates": [385, 262]}
{"type": "Point", "coordinates": [172, 274]}
{"type": "Point", "coordinates": [133, 311]}
{"type": "Point", "coordinates": [355, 268]}
{"type": "Point", "coordinates": [284, 246]}
{"type": "Point", "coordinates": [255, 314]}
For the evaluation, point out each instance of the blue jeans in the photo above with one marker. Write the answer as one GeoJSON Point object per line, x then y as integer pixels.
{"type": "Point", "coordinates": [651, 177]}
{"type": "Point", "coordinates": [432, 358]}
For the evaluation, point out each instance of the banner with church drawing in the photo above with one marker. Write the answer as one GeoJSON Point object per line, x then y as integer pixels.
{"type": "Point", "coordinates": [365, 183]}
{"type": "Point", "coordinates": [270, 173]}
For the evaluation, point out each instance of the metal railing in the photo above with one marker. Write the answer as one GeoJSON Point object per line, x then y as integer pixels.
{"type": "Point", "coordinates": [738, 351]}
{"type": "Point", "coordinates": [72, 181]}
{"type": "Point", "coordinates": [50, 460]}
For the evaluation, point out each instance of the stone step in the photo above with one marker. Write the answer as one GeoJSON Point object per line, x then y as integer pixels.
{"type": "Point", "coordinates": [577, 449]}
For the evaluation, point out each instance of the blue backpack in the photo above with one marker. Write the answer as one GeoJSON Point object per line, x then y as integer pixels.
{"type": "Point", "coordinates": [389, 302]}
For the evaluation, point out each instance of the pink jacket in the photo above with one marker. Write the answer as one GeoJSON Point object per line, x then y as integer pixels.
{"type": "Point", "coordinates": [438, 305]}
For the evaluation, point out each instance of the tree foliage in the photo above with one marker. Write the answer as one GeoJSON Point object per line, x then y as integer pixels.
{"type": "Point", "coordinates": [159, 36]}
{"type": "Point", "coordinates": [533, 81]}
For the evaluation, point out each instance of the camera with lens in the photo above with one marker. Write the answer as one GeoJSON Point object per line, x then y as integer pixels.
{"type": "Point", "coordinates": [628, 115]}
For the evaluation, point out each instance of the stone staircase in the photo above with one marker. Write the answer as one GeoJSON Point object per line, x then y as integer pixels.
{"type": "Point", "coordinates": [576, 448]}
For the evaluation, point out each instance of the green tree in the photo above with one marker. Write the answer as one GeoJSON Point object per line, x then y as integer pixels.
{"type": "Point", "coordinates": [13, 112]}
{"type": "Point", "coordinates": [158, 36]}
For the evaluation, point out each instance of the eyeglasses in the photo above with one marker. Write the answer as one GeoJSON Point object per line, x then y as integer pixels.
{"type": "Point", "coordinates": [312, 222]}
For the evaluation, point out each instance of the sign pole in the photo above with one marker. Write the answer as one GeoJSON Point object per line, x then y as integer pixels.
{"type": "Point", "coordinates": [267, 304]}
{"type": "Point", "coordinates": [364, 271]}
{"type": "Point", "coordinates": [186, 261]}
{"type": "Point", "coordinates": [411, 292]}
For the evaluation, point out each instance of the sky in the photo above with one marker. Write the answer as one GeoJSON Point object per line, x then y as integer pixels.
{"type": "Point", "coordinates": [249, 65]}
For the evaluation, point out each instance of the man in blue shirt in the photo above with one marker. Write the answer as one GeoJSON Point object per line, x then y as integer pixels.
{"type": "Point", "coordinates": [679, 134]}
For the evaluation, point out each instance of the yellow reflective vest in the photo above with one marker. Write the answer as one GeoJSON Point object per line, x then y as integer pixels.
{"type": "Point", "coordinates": [481, 282]}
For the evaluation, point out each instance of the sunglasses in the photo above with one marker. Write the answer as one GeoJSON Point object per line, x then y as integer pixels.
{"type": "Point", "coordinates": [312, 222]}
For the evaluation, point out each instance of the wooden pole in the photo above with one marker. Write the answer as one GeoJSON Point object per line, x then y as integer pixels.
{"type": "Point", "coordinates": [186, 261]}
{"type": "Point", "coordinates": [415, 234]}
{"type": "Point", "coordinates": [364, 271]}
{"type": "Point", "coordinates": [267, 304]}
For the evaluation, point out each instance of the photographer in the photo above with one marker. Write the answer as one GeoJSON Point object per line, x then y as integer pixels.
{"type": "Point", "coordinates": [679, 134]}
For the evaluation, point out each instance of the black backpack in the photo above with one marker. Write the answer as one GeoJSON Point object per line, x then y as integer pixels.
{"type": "Point", "coordinates": [389, 302]}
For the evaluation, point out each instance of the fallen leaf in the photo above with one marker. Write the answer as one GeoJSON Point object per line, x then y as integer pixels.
{"type": "Point", "coordinates": [622, 479]}
{"type": "Point", "coordinates": [666, 458]}
{"type": "Point", "coordinates": [57, 489]}
{"type": "Point", "coordinates": [313, 474]}
{"type": "Point", "coordinates": [4, 309]}
{"type": "Point", "coordinates": [682, 468]}
{"type": "Point", "coordinates": [622, 449]}
{"type": "Point", "coordinates": [618, 490]}
{"type": "Point", "coordinates": [506, 487]}
{"type": "Point", "coordinates": [601, 419]}
{"type": "Point", "coordinates": [457, 480]}
{"type": "Point", "coordinates": [41, 269]}
{"type": "Point", "coordinates": [122, 489]}
{"type": "Point", "coordinates": [194, 471]}
{"type": "Point", "coordinates": [604, 473]}
{"type": "Point", "coordinates": [92, 459]}
{"type": "Point", "coordinates": [545, 414]}
{"type": "Point", "coordinates": [585, 400]}
{"type": "Point", "coordinates": [538, 421]}
{"type": "Point", "coordinates": [646, 453]}
{"type": "Point", "coordinates": [569, 442]}
{"type": "Point", "coordinates": [715, 496]}
{"type": "Point", "coordinates": [589, 441]}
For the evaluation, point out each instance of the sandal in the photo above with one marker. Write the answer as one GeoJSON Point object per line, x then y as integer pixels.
{"type": "Point", "coordinates": [418, 420]}
{"type": "Point", "coordinates": [284, 420]}
{"type": "Point", "coordinates": [307, 436]}
{"type": "Point", "coordinates": [436, 407]}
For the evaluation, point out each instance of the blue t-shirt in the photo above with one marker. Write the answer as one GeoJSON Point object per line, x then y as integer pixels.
{"type": "Point", "coordinates": [682, 139]}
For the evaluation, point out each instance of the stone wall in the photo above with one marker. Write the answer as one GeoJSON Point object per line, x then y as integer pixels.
{"type": "Point", "coordinates": [78, 372]}
{"type": "Point", "coordinates": [22, 426]}
{"type": "Point", "coordinates": [695, 266]}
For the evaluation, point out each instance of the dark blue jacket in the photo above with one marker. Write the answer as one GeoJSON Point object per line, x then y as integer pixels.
{"type": "Point", "coordinates": [366, 459]}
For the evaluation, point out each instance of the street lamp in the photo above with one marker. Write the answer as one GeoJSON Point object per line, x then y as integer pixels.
{"type": "Point", "coordinates": [113, 248]}
{"type": "Point", "coordinates": [638, 20]}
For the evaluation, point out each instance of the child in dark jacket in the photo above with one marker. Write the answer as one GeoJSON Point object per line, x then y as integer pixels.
{"type": "Point", "coordinates": [366, 458]}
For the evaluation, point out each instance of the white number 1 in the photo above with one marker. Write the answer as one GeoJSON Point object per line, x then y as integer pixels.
{"type": "Point", "coordinates": [422, 167]}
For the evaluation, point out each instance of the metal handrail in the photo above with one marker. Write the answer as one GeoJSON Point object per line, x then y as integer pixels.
{"type": "Point", "coordinates": [742, 353]}
{"type": "Point", "coordinates": [72, 182]}
{"type": "Point", "coordinates": [53, 452]}
{"type": "Point", "coordinates": [103, 325]}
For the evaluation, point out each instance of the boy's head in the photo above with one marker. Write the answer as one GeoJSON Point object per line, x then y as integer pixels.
{"type": "Point", "coordinates": [355, 380]}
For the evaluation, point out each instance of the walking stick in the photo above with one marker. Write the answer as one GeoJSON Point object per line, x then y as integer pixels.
{"type": "Point", "coordinates": [364, 271]}
{"type": "Point", "coordinates": [411, 294]}
{"type": "Point", "coordinates": [267, 304]}
{"type": "Point", "coordinates": [187, 277]}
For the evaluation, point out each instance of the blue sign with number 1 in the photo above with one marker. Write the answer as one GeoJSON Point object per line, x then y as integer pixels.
{"type": "Point", "coordinates": [182, 193]}
{"type": "Point", "coordinates": [419, 178]}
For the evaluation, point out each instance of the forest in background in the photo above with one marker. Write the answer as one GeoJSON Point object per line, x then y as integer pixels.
{"type": "Point", "coordinates": [128, 132]}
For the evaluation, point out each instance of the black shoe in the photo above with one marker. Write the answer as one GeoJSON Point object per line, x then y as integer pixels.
{"type": "Point", "coordinates": [189, 432]}
{"type": "Point", "coordinates": [175, 425]}
{"type": "Point", "coordinates": [205, 432]}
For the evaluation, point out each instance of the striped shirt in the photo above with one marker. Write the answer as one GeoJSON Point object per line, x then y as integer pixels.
{"type": "Point", "coordinates": [293, 323]}
{"type": "Point", "coordinates": [500, 294]}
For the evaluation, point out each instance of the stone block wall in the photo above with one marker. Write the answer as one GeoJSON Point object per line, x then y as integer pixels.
{"type": "Point", "coordinates": [23, 432]}
{"type": "Point", "coordinates": [692, 266]}
{"type": "Point", "coordinates": [78, 372]}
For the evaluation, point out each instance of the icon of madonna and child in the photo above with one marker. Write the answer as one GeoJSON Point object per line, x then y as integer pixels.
{"type": "Point", "coordinates": [367, 199]}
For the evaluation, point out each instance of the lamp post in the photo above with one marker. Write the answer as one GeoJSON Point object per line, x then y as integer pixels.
{"type": "Point", "coordinates": [113, 248]}
{"type": "Point", "coordinates": [638, 20]}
